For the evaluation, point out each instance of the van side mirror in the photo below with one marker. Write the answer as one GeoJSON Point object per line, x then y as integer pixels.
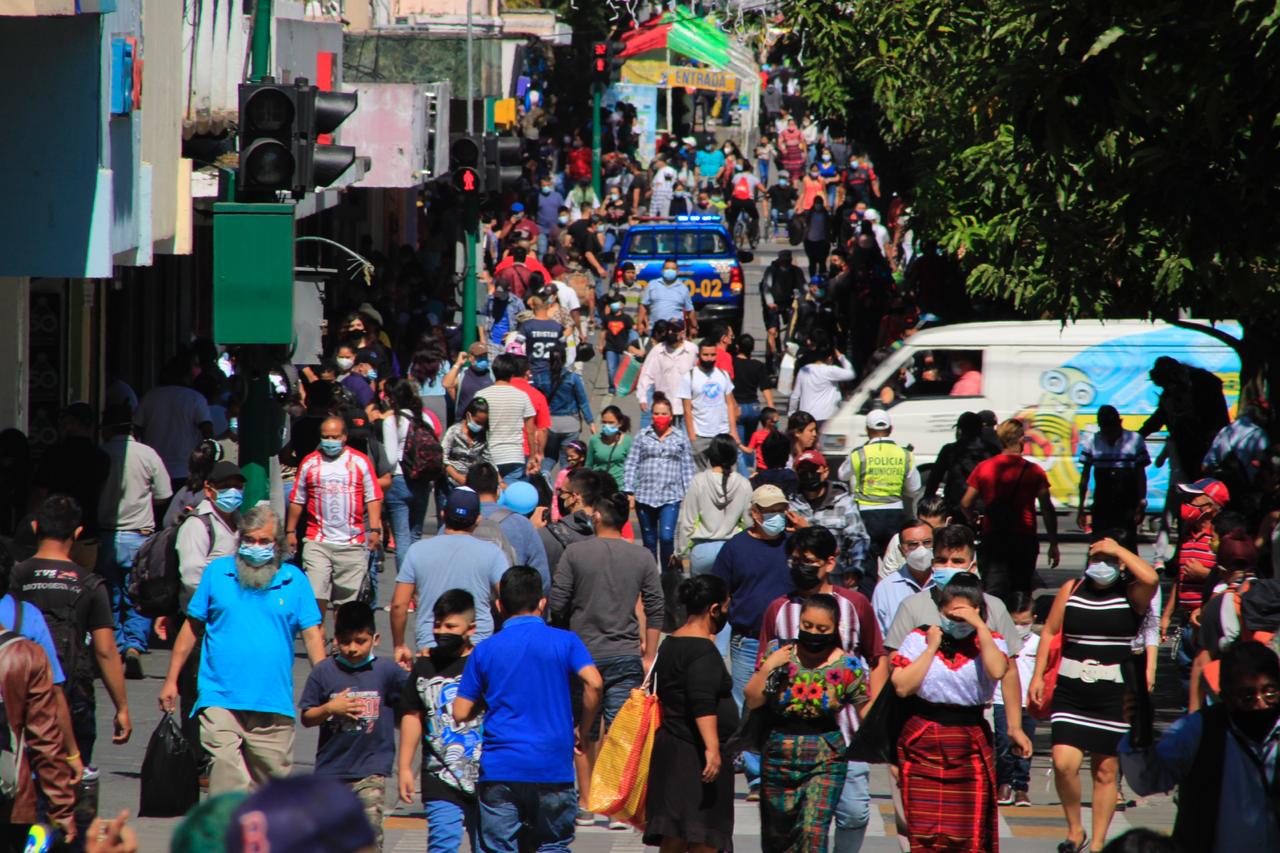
{"type": "Point", "coordinates": [745, 257]}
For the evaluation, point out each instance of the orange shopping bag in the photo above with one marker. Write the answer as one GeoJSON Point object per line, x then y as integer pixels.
{"type": "Point", "coordinates": [621, 775]}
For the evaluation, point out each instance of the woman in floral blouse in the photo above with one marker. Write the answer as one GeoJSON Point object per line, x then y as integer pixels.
{"type": "Point", "coordinates": [802, 687]}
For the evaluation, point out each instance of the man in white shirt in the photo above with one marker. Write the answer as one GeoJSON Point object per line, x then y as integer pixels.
{"type": "Point", "coordinates": [817, 388]}
{"type": "Point", "coordinates": [706, 393]}
{"type": "Point", "coordinates": [663, 184]}
{"type": "Point", "coordinates": [173, 418]}
{"type": "Point", "coordinates": [671, 358]}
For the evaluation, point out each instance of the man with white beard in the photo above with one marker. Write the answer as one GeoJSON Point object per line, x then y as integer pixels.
{"type": "Point", "coordinates": [245, 613]}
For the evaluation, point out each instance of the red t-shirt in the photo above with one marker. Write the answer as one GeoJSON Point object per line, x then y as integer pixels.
{"type": "Point", "coordinates": [1198, 547]}
{"type": "Point", "coordinates": [541, 411]}
{"type": "Point", "coordinates": [1010, 485]}
{"type": "Point", "coordinates": [756, 443]}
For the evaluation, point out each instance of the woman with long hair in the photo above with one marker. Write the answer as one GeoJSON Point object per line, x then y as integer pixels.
{"type": "Point", "coordinates": [689, 804]}
{"type": "Point", "coordinates": [716, 508]}
{"type": "Point", "coordinates": [199, 464]}
{"type": "Point", "coordinates": [946, 769]}
{"type": "Point", "coordinates": [659, 470]}
{"type": "Point", "coordinates": [802, 429]}
{"type": "Point", "coordinates": [567, 399]}
{"type": "Point", "coordinates": [801, 688]}
{"type": "Point", "coordinates": [608, 448]}
{"type": "Point", "coordinates": [406, 500]}
{"type": "Point", "coordinates": [427, 369]}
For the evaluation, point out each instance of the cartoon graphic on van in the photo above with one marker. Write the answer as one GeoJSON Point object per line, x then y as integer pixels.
{"type": "Point", "coordinates": [1108, 373]}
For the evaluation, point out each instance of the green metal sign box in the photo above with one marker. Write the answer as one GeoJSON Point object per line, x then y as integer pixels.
{"type": "Point", "coordinates": [252, 273]}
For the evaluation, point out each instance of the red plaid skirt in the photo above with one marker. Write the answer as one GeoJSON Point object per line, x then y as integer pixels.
{"type": "Point", "coordinates": [948, 782]}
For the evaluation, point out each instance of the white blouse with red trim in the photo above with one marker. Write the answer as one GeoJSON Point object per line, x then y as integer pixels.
{"type": "Point", "coordinates": [958, 679]}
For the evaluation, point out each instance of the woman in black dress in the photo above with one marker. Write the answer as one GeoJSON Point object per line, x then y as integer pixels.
{"type": "Point", "coordinates": [689, 804]}
{"type": "Point", "coordinates": [1099, 615]}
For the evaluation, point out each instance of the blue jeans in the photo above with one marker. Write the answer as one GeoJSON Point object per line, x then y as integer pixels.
{"type": "Point", "coordinates": [701, 559]}
{"type": "Point", "coordinates": [621, 675]}
{"type": "Point", "coordinates": [512, 472]}
{"type": "Point", "coordinates": [658, 529]}
{"type": "Point", "coordinates": [1188, 647]}
{"type": "Point", "coordinates": [614, 361]}
{"type": "Point", "coordinates": [1010, 769]}
{"type": "Point", "coordinates": [115, 562]}
{"type": "Point", "coordinates": [762, 171]}
{"type": "Point", "coordinates": [539, 814]}
{"type": "Point", "coordinates": [748, 420]}
{"type": "Point", "coordinates": [445, 824]}
{"type": "Point", "coordinates": [742, 656]}
{"type": "Point", "coordinates": [553, 453]}
{"type": "Point", "coordinates": [854, 809]}
{"type": "Point", "coordinates": [406, 504]}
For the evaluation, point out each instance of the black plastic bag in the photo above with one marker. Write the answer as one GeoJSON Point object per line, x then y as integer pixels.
{"type": "Point", "coordinates": [170, 773]}
{"type": "Point", "coordinates": [876, 741]}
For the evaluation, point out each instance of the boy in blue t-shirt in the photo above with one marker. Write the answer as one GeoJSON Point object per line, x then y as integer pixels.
{"type": "Point", "coordinates": [351, 698]}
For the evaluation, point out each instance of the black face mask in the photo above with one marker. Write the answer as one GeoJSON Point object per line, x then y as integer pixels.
{"type": "Point", "coordinates": [804, 575]}
{"type": "Point", "coordinates": [719, 620]}
{"type": "Point", "coordinates": [1256, 722]}
{"type": "Point", "coordinates": [707, 366]}
{"type": "Point", "coordinates": [672, 340]}
{"type": "Point", "coordinates": [447, 645]}
{"type": "Point", "coordinates": [564, 509]}
{"type": "Point", "coordinates": [810, 481]}
{"type": "Point", "coordinates": [816, 643]}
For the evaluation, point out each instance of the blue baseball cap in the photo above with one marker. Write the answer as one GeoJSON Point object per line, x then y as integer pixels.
{"type": "Point", "coordinates": [517, 208]}
{"type": "Point", "coordinates": [463, 508]}
{"type": "Point", "coordinates": [300, 814]}
{"type": "Point", "coordinates": [520, 498]}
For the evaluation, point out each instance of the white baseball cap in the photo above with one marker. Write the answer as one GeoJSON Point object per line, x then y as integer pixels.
{"type": "Point", "coordinates": [878, 419]}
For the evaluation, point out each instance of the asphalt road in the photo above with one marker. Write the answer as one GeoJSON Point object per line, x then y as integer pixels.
{"type": "Point", "coordinates": [1037, 828]}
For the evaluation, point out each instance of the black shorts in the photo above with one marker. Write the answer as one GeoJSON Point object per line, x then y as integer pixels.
{"type": "Point", "coordinates": [772, 318]}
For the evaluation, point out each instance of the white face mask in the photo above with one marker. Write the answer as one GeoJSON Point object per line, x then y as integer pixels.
{"type": "Point", "coordinates": [345, 364]}
{"type": "Point", "coordinates": [1103, 574]}
{"type": "Point", "coordinates": [920, 559]}
{"type": "Point", "coordinates": [1024, 631]}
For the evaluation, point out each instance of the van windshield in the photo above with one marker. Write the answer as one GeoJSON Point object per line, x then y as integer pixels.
{"type": "Point", "coordinates": [668, 242]}
{"type": "Point", "coordinates": [930, 373]}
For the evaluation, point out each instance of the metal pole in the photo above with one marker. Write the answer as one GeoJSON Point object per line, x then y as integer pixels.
{"type": "Point", "coordinates": [597, 95]}
{"type": "Point", "coordinates": [471, 228]}
{"type": "Point", "coordinates": [471, 119]}
{"type": "Point", "coordinates": [260, 50]}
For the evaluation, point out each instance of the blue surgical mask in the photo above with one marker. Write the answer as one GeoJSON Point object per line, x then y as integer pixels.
{"type": "Point", "coordinates": [670, 275]}
{"type": "Point", "coordinates": [943, 575]}
{"type": "Point", "coordinates": [615, 306]}
{"type": "Point", "coordinates": [1103, 574]}
{"type": "Point", "coordinates": [782, 182]}
{"type": "Point", "coordinates": [608, 429]}
{"type": "Point", "coordinates": [563, 220]}
{"type": "Point", "coordinates": [350, 664]}
{"type": "Point", "coordinates": [233, 424]}
{"type": "Point", "coordinates": [546, 190]}
{"type": "Point", "coordinates": [331, 446]}
{"type": "Point", "coordinates": [482, 364]}
{"type": "Point", "coordinates": [372, 375]}
{"type": "Point", "coordinates": [774, 523]}
{"type": "Point", "coordinates": [229, 500]}
{"type": "Point", "coordinates": [257, 555]}
{"type": "Point", "coordinates": [475, 428]}
{"type": "Point", "coordinates": [955, 630]}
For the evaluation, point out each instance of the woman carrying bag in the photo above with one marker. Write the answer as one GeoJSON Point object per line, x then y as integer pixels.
{"type": "Point", "coordinates": [803, 687]}
{"type": "Point", "coordinates": [946, 768]}
{"type": "Point", "coordinates": [689, 805]}
{"type": "Point", "coordinates": [1098, 615]}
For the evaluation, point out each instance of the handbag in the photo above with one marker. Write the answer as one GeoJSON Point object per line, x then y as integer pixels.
{"type": "Point", "coordinates": [1053, 660]}
{"type": "Point", "coordinates": [876, 741]}
{"type": "Point", "coordinates": [620, 779]}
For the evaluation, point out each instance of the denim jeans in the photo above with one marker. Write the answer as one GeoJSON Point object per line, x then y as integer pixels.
{"type": "Point", "coordinates": [614, 361]}
{"type": "Point", "coordinates": [1010, 769]}
{"type": "Point", "coordinates": [658, 529]}
{"type": "Point", "coordinates": [1188, 647]}
{"type": "Point", "coordinates": [762, 171]}
{"type": "Point", "coordinates": [881, 526]}
{"type": "Point", "coordinates": [748, 420]}
{"type": "Point", "coordinates": [115, 562]}
{"type": "Point", "coordinates": [516, 816]}
{"type": "Point", "coordinates": [445, 824]}
{"type": "Point", "coordinates": [701, 559]}
{"type": "Point", "coordinates": [854, 809]}
{"type": "Point", "coordinates": [553, 453]}
{"type": "Point", "coordinates": [406, 505]}
{"type": "Point", "coordinates": [512, 472]}
{"type": "Point", "coordinates": [621, 675]}
{"type": "Point", "coordinates": [742, 654]}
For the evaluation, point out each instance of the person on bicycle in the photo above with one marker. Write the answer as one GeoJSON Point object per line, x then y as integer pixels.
{"type": "Point", "coordinates": [744, 189]}
{"type": "Point", "coordinates": [781, 282]}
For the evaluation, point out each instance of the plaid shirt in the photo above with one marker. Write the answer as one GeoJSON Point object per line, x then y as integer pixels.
{"type": "Point", "coordinates": [659, 471]}
{"type": "Point", "coordinates": [838, 512]}
{"type": "Point", "coordinates": [1244, 440]}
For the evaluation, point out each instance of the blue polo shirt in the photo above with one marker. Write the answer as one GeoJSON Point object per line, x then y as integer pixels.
{"type": "Point", "coordinates": [666, 301]}
{"type": "Point", "coordinates": [246, 662]}
{"type": "Point", "coordinates": [524, 673]}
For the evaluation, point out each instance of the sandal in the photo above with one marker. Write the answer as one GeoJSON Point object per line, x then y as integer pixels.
{"type": "Point", "coordinates": [1070, 846]}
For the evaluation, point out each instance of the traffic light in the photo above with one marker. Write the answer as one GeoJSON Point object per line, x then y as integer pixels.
{"type": "Point", "coordinates": [503, 156]}
{"type": "Point", "coordinates": [268, 125]}
{"type": "Point", "coordinates": [615, 60]}
{"type": "Point", "coordinates": [466, 164]}
{"type": "Point", "coordinates": [322, 112]}
{"type": "Point", "coordinates": [599, 71]}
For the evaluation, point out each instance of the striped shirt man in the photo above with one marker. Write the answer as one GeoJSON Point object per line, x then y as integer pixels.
{"type": "Point", "coordinates": [334, 493]}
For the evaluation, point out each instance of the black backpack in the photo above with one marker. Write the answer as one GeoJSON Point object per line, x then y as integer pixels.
{"type": "Point", "coordinates": [155, 583]}
{"type": "Point", "coordinates": [69, 641]}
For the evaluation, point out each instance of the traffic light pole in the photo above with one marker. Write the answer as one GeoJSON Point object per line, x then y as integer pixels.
{"type": "Point", "coordinates": [471, 236]}
{"type": "Point", "coordinates": [260, 49]}
{"type": "Point", "coordinates": [597, 94]}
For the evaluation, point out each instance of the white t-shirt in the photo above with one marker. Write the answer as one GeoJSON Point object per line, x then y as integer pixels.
{"type": "Point", "coordinates": [508, 407]}
{"type": "Point", "coordinates": [1026, 663]}
{"type": "Point", "coordinates": [170, 417]}
{"type": "Point", "coordinates": [708, 392]}
{"type": "Point", "coordinates": [567, 297]}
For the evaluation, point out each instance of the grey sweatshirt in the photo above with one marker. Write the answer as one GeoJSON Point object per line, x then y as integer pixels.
{"type": "Point", "coordinates": [712, 511]}
{"type": "Point", "coordinates": [594, 589]}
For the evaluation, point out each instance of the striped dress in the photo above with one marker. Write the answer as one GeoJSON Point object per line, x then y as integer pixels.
{"type": "Point", "coordinates": [1098, 628]}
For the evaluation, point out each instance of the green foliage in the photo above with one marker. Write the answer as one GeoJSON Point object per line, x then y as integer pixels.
{"type": "Point", "coordinates": [1090, 158]}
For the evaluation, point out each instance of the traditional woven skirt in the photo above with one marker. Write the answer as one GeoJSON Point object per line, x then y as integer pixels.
{"type": "Point", "coordinates": [801, 777]}
{"type": "Point", "coordinates": [948, 782]}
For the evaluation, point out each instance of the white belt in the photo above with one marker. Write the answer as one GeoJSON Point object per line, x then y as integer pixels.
{"type": "Point", "coordinates": [1090, 671]}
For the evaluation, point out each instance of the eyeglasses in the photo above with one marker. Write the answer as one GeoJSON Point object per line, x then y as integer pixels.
{"type": "Point", "coordinates": [912, 544]}
{"type": "Point", "coordinates": [1246, 696]}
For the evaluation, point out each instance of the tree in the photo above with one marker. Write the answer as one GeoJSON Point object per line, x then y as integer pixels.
{"type": "Point", "coordinates": [1091, 159]}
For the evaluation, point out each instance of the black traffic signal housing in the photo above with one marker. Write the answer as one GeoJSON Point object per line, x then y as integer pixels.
{"type": "Point", "coordinates": [503, 161]}
{"type": "Point", "coordinates": [598, 73]}
{"type": "Point", "coordinates": [268, 130]}
{"type": "Point", "coordinates": [322, 112]}
{"type": "Point", "coordinates": [615, 60]}
{"type": "Point", "coordinates": [467, 164]}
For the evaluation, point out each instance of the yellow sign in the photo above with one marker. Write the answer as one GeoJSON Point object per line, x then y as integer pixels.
{"type": "Point", "coordinates": [650, 72]}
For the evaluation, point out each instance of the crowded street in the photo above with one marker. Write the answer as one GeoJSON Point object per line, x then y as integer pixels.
{"type": "Point", "coordinates": [697, 425]}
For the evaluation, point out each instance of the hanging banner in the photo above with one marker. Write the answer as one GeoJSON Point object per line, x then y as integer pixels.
{"type": "Point", "coordinates": [655, 72]}
{"type": "Point", "coordinates": [645, 100]}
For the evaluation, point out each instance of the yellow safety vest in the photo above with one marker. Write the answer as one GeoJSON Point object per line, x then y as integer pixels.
{"type": "Point", "coordinates": [880, 470]}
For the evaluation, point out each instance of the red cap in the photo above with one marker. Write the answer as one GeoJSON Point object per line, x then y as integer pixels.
{"type": "Point", "coordinates": [1214, 489]}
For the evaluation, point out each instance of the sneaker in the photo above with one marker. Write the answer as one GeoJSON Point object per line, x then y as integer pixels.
{"type": "Point", "coordinates": [618, 825]}
{"type": "Point", "coordinates": [584, 818]}
{"type": "Point", "coordinates": [133, 665]}
{"type": "Point", "coordinates": [1022, 799]}
{"type": "Point", "coordinates": [753, 794]}
{"type": "Point", "coordinates": [1004, 795]}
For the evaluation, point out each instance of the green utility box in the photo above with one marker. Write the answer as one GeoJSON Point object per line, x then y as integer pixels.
{"type": "Point", "coordinates": [252, 273]}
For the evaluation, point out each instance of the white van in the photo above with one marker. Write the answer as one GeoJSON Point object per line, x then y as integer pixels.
{"type": "Point", "coordinates": [1052, 376]}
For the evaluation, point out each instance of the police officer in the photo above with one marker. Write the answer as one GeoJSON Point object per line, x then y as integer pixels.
{"type": "Point", "coordinates": [885, 483]}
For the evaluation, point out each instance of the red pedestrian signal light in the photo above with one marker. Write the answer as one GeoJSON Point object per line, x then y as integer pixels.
{"type": "Point", "coordinates": [466, 181]}
{"type": "Point", "coordinates": [600, 62]}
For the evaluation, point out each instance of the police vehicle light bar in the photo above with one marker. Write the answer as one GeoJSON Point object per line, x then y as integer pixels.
{"type": "Point", "coordinates": [697, 218]}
